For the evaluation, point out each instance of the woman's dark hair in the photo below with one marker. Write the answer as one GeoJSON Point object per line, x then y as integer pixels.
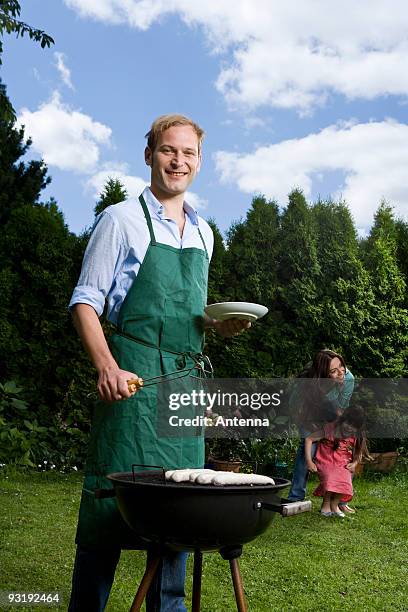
{"type": "Point", "coordinates": [315, 407]}
{"type": "Point", "coordinates": [320, 367]}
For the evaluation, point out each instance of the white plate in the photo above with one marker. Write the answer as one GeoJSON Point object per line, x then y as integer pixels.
{"type": "Point", "coordinates": [236, 310]}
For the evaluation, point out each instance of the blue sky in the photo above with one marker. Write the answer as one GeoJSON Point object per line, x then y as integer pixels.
{"type": "Point", "coordinates": [311, 95]}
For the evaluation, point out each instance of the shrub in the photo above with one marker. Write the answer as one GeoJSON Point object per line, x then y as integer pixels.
{"type": "Point", "coordinates": [25, 441]}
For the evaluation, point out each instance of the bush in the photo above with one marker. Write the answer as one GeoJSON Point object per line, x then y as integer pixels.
{"type": "Point", "coordinates": [25, 441]}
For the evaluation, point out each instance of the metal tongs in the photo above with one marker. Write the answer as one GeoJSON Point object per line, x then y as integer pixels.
{"type": "Point", "coordinates": [202, 363]}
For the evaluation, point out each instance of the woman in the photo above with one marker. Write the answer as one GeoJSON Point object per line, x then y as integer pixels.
{"type": "Point", "coordinates": [322, 397]}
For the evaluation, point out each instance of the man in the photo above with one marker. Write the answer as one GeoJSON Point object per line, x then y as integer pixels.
{"type": "Point", "coordinates": [148, 260]}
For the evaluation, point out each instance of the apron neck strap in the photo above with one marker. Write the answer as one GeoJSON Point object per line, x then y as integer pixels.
{"type": "Point", "coordinates": [148, 219]}
{"type": "Point", "coordinates": [150, 225]}
{"type": "Point", "coordinates": [202, 240]}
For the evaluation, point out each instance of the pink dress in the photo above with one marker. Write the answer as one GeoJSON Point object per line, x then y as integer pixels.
{"type": "Point", "coordinates": [331, 465]}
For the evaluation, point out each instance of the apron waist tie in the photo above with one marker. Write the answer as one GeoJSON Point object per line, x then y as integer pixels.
{"type": "Point", "coordinates": [199, 359]}
{"type": "Point", "coordinates": [190, 354]}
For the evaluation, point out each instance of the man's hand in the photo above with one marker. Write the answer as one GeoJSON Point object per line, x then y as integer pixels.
{"type": "Point", "coordinates": [112, 384]}
{"type": "Point", "coordinates": [230, 327]}
{"type": "Point", "coordinates": [351, 467]}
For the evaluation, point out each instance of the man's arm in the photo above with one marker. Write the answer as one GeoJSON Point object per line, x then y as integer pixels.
{"type": "Point", "coordinates": [112, 383]}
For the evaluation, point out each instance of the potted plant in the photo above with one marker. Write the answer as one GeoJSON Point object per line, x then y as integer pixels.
{"type": "Point", "coordinates": [384, 452]}
{"type": "Point", "coordinates": [384, 449]}
{"type": "Point", "coordinates": [386, 407]}
{"type": "Point", "coordinates": [225, 454]}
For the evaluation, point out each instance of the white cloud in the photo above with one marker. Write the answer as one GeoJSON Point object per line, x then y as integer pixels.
{"type": "Point", "coordinates": [64, 71]}
{"type": "Point", "coordinates": [287, 54]}
{"type": "Point", "coordinates": [196, 201]}
{"type": "Point", "coordinates": [65, 138]}
{"type": "Point", "coordinates": [373, 157]}
{"type": "Point", "coordinates": [252, 121]}
{"type": "Point", "coordinates": [137, 13]}
{"type": "Point", "coordinates": [134, 184]}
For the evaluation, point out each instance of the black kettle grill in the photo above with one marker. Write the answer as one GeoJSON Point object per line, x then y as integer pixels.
{"type": "Point", "coordinates": [197, 518]}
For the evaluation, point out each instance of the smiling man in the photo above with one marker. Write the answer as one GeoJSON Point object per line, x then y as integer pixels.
{"type": "Point", "coordinates": [147, 262]}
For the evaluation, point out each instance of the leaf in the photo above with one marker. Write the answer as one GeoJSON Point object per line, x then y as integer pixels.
{"type": "Point", "coordinates": [11, 388]}
{"type": "Point", "coordinates": [19, 404]}
{"type": "Point", "coordinates": [74, 431]}
{"type": "Point", "coordinates": [40, 429]}
{"type": "Point", "coordinates": [25, 459]}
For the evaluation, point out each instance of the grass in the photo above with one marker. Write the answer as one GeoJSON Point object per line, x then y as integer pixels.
{"type": "Point", "coordinates": [304, 562]}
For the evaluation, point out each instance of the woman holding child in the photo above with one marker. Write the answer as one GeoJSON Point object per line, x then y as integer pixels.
{"type": "Point", "coordinates": [321, 393]}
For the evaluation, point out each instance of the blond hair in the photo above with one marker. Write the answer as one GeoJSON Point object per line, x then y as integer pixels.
{"type": "Point", "coordinates": [164, 122]}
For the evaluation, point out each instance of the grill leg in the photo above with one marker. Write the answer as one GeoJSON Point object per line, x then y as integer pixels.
{"type": "Point", "coordinates": [197, 572]}
{"type": "Point", "coordinates": [147, 579]}
{"type": "Point", "coordinates": [238, 588]}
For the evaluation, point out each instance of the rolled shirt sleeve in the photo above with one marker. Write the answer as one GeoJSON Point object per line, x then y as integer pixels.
{"type": "Point", "coordinates": [346, 390]}
{"type": "Point", "coordinates": [99, 264]}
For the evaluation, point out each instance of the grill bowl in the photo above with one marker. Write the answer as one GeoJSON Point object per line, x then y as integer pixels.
{"type": "Point", "coordinates": [188, 516]}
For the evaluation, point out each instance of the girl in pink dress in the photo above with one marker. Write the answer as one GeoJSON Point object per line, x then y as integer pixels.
{"type": "Point", "coordinates": [342, 445]}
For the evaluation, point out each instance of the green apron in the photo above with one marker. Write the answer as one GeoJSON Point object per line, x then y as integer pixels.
{"type": "Point", "coordinates": [160, 323]}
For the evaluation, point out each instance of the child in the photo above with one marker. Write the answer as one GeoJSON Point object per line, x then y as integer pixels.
{"type": "Point", "coordinates": [342, 445]}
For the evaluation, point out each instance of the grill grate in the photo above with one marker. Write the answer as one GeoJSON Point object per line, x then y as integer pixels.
{"type": "Point", "coordinates": [157, 478]}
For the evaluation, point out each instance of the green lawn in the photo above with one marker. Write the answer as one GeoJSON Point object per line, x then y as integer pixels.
{"type": "Point", "coordinates": [302, 563]}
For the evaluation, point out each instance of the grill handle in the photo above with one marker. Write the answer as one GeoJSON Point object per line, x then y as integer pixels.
{"type": "Point", "coordinates": [156, 467]}
{"type": "Point", "coordinates": [289, 509]}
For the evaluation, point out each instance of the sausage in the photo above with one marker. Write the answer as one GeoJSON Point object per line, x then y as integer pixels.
{"type": "Point", "coordinates": [185, 475]}
{"type": "Point", "coordinates": [194, 474]}
{"type": "Point", "coordinates": [179, 475]}
{"type": "Point", "coordinates": [232, 478]}
{"type": "Point", "coordinates": [205, 479]}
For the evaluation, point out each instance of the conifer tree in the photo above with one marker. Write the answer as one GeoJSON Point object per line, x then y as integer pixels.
{"type": "Point", "coordinates": [113, 193]}
{"type": "Point", "coordinates": [250, 273]}
{"type": "Point", "coordinates": [252, 252]}
{"type": "Point", "coordinates": [387, 343]}
{"type": "Point", "coordinates": [216, 293]}
{"type": "Point", "coordinates": [216, 275]}
{"type": "Point", "coordinates": [299, 276]}
{"type": "Point", "coordinates": [39, 261]}
{"type": "Point", "coordinates": [344, 290]}
{"type": "Point", "coordinates": [20, 181]}
{"type": "Point", "coordinates": [402, 253]}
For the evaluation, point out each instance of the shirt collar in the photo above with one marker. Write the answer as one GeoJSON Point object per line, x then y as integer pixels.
{"type": "Point", "coordinates": [158, 209]}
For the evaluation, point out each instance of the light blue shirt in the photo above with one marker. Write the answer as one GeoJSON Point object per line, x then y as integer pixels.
{"type": "Point", "coordinates": [117, 247]}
